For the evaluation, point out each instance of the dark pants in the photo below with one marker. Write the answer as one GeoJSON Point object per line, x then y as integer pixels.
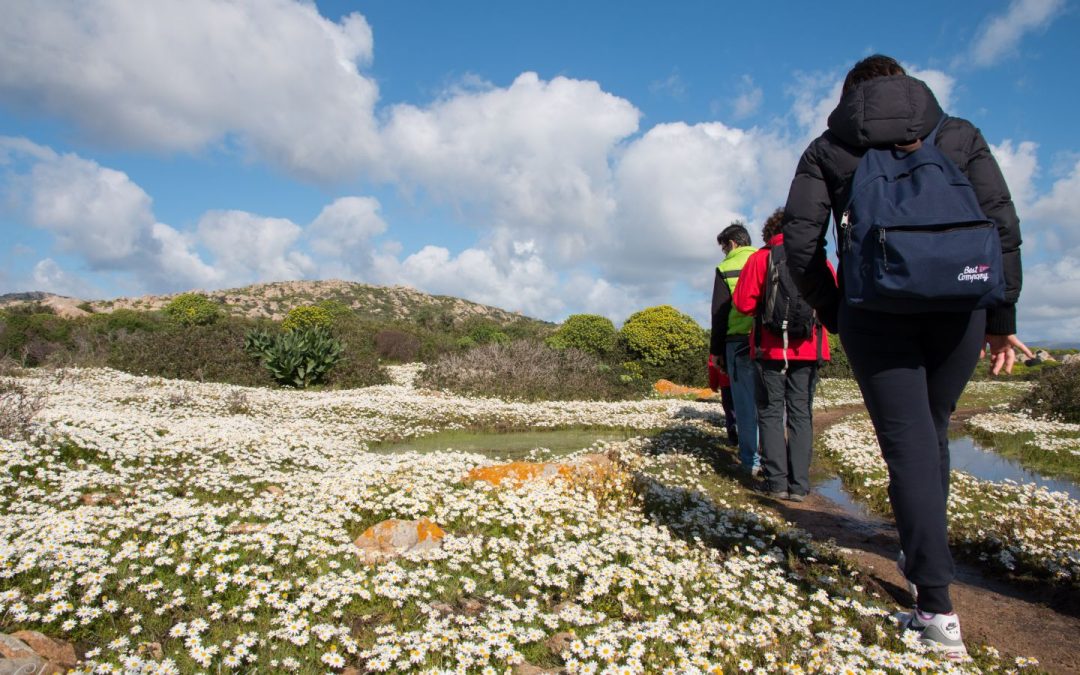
{"type": "Point", "coordinates": [728, 401]}
{"type": "Point", "coordinates": [911, 369]}
{"type": "Point", "coordinates": [786, 456]}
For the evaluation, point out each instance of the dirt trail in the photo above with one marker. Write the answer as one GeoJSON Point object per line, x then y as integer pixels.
{"type": "Point", "coordinates": [1035, 621]}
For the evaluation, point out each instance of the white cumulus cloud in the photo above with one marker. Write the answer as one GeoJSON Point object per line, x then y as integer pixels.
{"type": "Point", "coordinates": [679, 185]}
{"type": "Point", "coordinates": [533, 156]}
{"type": "Point", "coordinates": [1001, 35]}
{"type": "Point", "coordinates": [272, 76]}
{"type": "Point", "coordinates": [251, 248]}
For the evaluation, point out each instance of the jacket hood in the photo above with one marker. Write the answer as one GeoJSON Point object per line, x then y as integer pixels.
{"type": "Point", "coordinates": [892, 110]}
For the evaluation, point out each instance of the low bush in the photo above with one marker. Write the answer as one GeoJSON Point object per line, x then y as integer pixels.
{"type": "Point", "coordinates": [589, 333]}
{"type": "Point", "coordinates": [397, 345]}
{"type": "Point", "coordinates": [307, 317]}
{"type": "Point", "coordinates": [298, 358]}
{"type": "Point", "coordinates": [18, 406]}
{"type": "Point", "coordinates": [30, 338]}
{"type": "Point", "coordinates": [125, 319]}
{"type": "Point", "coordinates": [661, 334]}
{"type": "Point", "coordinates": [530, 370]}
{"type": "Point", "coordinates": [208, 352]}
{"type": "Point", "coordinates": [192, 309]}
{"type": "Point", "coordinates": [1056, 394]}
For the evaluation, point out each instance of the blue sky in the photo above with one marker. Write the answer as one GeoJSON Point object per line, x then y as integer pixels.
{"type": "Point", "coordinates": [548, 157]}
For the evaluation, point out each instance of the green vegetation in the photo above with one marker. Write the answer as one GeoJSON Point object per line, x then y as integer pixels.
{"type": "Point", "coordinates": [838, 364]}
{"type": "Point", "coordinates": [589, 333]}
{"type": "Point", "coordinates": [306, 317]}
{"type": "Point", "coordinates": [299, 357]}
{"type": "Point", "coordinates": [192, 309]}
{"type": "Point", "coordinates": [663, 343]}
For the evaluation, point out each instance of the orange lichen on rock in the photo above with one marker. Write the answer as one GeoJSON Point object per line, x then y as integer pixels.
{"type": "Point", "coordinates": [394, 537]}
{"type": "Point", "coordinates": [669, 388]}
{"type": "Point", "coordinates": [519, 472]}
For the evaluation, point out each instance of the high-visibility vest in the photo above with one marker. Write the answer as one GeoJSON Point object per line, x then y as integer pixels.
{"type": "Point", "coordinates": [738, 323]}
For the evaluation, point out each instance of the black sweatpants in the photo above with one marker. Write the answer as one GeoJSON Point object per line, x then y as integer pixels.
{"type": "Point", "coordinates": [911, 369]}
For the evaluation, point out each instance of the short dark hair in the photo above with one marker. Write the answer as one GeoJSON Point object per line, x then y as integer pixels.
{"type": "Point", "coordinates": [877, 65]}
{"type": "Point", "coordinates": [735, 233]}
{"type": "Point", "coordinates": [771, 228]}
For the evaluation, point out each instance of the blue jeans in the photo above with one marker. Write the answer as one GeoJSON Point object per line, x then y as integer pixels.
{"type": "Point", "coordinates": [743, 389]}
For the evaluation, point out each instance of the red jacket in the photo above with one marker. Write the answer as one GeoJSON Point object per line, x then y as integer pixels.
{"type": "Point", "coordinates": [748, 293]}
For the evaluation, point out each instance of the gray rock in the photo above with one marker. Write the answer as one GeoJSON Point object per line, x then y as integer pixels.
{"type": "Point", "coordinates": [26, 666]}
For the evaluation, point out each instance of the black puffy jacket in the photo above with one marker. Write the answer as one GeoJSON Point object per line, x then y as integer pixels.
{"type": "Point", "coordinates": [888, 111]}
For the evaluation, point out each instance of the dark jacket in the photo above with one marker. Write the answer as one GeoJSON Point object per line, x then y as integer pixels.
{"type": "Point", "coordinates": [887, 111]}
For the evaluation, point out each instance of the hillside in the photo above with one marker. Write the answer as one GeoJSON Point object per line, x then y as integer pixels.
{"type": "Point", "coordinates": [273, 300]}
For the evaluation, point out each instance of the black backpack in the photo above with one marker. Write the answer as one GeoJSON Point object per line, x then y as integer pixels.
{"type": "Point", "coordinates": [781, 309]}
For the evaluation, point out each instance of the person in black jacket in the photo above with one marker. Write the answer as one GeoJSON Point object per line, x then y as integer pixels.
{"type": "Point", "coordinates": [911, 368]}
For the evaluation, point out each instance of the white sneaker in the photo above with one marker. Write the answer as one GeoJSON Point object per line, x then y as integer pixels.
{"type": "Point", "coordinates": [900, 564]}
{"type": "Point", "coordinates": [940, 632]}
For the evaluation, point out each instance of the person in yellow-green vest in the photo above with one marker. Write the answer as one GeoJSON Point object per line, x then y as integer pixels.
{"type": "Point", "coordinates": [730, 341]}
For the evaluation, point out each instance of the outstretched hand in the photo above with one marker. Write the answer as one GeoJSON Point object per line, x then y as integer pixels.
{"type": "Point", "coordinates": [1002, 352]}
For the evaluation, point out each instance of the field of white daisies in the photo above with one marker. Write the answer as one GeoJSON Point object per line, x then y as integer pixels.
{"type": "Point", "coordinates": [175, 527]}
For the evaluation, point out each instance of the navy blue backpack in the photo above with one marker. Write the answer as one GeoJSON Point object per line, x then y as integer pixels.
{"type": "Point", "coordinates": [913, 237]}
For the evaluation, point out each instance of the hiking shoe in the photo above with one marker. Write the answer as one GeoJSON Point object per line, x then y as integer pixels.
{"type": "Point", "coordinates": [900, 564]}
{"type": "Point", "coordinates": [940, 632]}
{"type": "Point", "coordinates": [774, 494]}
{"type": "Point", "coordinates": [795, 497]}
{"type": "Point", "coordinates": [756, 471]}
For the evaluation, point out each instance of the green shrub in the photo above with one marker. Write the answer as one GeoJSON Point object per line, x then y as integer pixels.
{"type": "Point", "coordinates": [211, 352]}
{"type": "Point", "coordinates": [335, 308]}
{"type": "Point", "coordinates": [31, 338]}
{"type": "Point", "coordinates": [838, 364]}
{"type": "Point", "coordinates": [125, 320]}
{"type": "Point", "coordinates": [661, 334]}
{"type": "Point", "coordinates": [307, 316]}
{"type": "Point", "coordinates": [1056, 394]}
{"type": "Point", "coordinates": [299, 357]}
{"type": "Point", "coordinates": [530, 370]}
{"type": "Point", "coordinates": [482, 332]}
{"type": "Point", "coordinates": [192, 309]}
{"type": "Point", "coordinates": [589, 333]}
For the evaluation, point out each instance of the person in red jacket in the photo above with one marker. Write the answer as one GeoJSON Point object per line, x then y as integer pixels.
{"type": "Point", "coordinates": [786, 364]}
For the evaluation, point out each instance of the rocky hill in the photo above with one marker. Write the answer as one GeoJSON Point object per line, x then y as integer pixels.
{"type": "Point", "coordinates": [273, 300]}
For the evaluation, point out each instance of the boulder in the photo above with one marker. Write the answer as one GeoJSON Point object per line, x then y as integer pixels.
{"type": "Point", "coordinates": [1071, 358]}
{"type": "Point", "coordinates": [27, 666]}
{"type": "Point", "coordinates": [1044, 355]}
{"type": "Point", "coordinates": [51, 649]}
{"type": "Point", "coordinates": [12, 647]}
{"type": "Point", "coordinates": [587, 468]}
{"type": "Point", "coordinates": [519, 472]}
{"type": "Point", "coordinates": [392, 538]}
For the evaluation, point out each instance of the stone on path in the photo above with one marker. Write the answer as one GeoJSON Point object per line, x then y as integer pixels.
{"type": "Point", "coordinates": [392, 538]}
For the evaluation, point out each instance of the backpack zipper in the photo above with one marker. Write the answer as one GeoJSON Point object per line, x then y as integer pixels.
{"type": "Point", "coordinates": [884, 250]}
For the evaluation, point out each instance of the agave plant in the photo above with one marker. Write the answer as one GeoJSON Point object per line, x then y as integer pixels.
{"type": "Point", "coordinates": [298, 358]}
